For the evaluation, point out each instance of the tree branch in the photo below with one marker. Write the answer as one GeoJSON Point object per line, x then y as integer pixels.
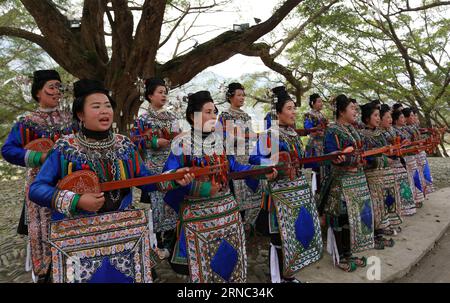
{"type": "Point", "coordinates": [146, 40]}
{"type": "Point", "coordinates": [20, 33]}
{"type": "Point", "coordinates": [294, 34]}
{"type": "Point", "coordinates": [258, 100]}
{"type": "Point", "coordinates": [183, 15]}
{"type": "Point", "coordinates": [262, 50]}
{"type": "Point", "coordinates": [122, 30]}
{"type": "Point", "coordinates": [183, 68]}
{"type": "Point", "coordinates": [419, 8]}
{"type": "Point", "coordinates": [92, 30]}
{"type": "Point", "coordinates": [64, 46]}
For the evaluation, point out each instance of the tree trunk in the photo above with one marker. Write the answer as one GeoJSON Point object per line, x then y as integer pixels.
{"type": "Point", "coordinates": [83, 53]}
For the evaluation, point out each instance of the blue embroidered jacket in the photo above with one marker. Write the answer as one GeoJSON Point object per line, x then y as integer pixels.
{"type": "Point", "coordinates": [35, 125]}
{"type": "Point", "coordinates": [181, 156]}
{"type": "Point", "coordinates": [338, 137]}
{"type": "Point", "coordinates": [69, 156]}
{"type": "Point", "coordinates": [314, 147]}
{"type": "Point", "coordinates": [286, 140]}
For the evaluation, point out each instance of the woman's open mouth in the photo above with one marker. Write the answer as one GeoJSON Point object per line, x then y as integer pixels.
{"type": "Point", "coordinates": [104, 120]}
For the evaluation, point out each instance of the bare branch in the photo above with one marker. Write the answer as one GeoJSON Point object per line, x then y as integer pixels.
{"type": "Point", "coordinates": [64, 46]}
{"type": "Point", "coordinates": [183, 68]}
{"type": "Point", "coordinates": [174, 28]}
{"type": "Point", "coordinates": [294, 34]}
{"type": "Point", "coordinates": [205, 7]}
{"type": "Point", "coordinates": [183, 36]}
{"type": "Point", "coordinates": [20, 33]}
{"type": "Point", "coordinates": [145, 45]}
{"type": "Point", "coordinates": [262, 50]}
{"type": "Point", "coordinates": [258, 100]}
{"type": "Point", "coordinates": [419, 8]}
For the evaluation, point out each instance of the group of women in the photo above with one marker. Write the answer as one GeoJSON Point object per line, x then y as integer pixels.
{"type": "Point", "coordinates": [199, 220]}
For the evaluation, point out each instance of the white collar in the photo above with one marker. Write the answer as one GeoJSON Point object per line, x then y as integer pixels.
{"type": "Point", "coordinates": [48, 110]}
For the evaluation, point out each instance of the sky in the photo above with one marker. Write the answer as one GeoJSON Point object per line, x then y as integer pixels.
{"type": "Point", "coordinates": [237, 12]}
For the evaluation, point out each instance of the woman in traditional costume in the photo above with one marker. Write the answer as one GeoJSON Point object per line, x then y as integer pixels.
{"type": "Point", "coordinates": [238, 123]}
{"type": "Point", "coordinates": [402, 183]}
{"type": "Point", "coordinates": [429, 188]}
{"type": "Point", "coordinates": [414, 125]}
{"type": "Point", "coordinates": [413, 129]}
{"type": "Point", "coordinates": [313, 119]}
{"type": "Point", "coordinates": [48, 121]}
{"type": "Point", "coordinates": [153, 132]}
{"type": "Point", "coordinates": [289, 213]}
{"type": "Point", "coordinates": [112, 157]}
{"type": "Point", "coordinates": [411, 165]}
{"type": "Point", "coordinates": [210, 245]}
{"type": "Point", "coordinates": [381, 181]}
{"type": "Point", "coordinates": [345, 196]}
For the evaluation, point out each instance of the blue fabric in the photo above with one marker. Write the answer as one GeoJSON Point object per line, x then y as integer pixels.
{"type": "Point", "coordinates": [235, 166]}
{"type": "Point", "coordinates": [225, 260]}
{"type": "Point", "coordinates": [182, 244]}
{"type": "Point", "coordinates": [274, 221]}
{"type": "Point", "coordinates": [417, 180]}
{"type": "Point", "coordinates": [389, 200]}
{"type": "Point", "coordinates": [220, 125]}
{"type": "Point", "coordinates": [107, 273]}
{"type": "Point", "coordinates": [304, 227]}
{"type": "Point", "coordinates": [427, 173]}
{"type": "Point", "coordinates": [308, 123]}
{"type": "Point", "coordinates": [366, 215]}
{"type": "Point", "coordinates": [268, 119]}
{"type": "Point", "coordinates": [331, 145]}
{"type": "Point", "coordinates": [261, 153]}
{"type": "Point", "coordinates": [12, 150]}
{"type": "Point", "coordinates": [44, 185]}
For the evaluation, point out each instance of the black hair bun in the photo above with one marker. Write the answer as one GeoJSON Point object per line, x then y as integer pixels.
{"type": "Point", "coordinates": [200, 96]}
{"type": "Point", "coordinates": [85, 87]}
{"type": "Point", "coordinates": [281, 93]}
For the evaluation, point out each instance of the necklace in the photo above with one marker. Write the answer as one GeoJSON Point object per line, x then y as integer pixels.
{"type": "Point", "coordinates": [95, 151]}
{"type": "Point", "coordinates": [107, 143]}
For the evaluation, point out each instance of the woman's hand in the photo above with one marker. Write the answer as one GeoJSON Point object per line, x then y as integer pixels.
{"type": "Point", "coordinates": [91, 202]}
{"type": "Point", "coordinates": [163, 143]}
{"type": "Point", "coordinates": [340, 159]}
{"type": "Point", "coordinates": [188, 178]}
{"type": "Point", "coordinates": [273, 175]}
{"type": "Point", "coordinates": [43, 157]}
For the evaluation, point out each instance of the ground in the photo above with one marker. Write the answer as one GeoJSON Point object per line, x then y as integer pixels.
{"type": "Point", "coordinates": [434, 267]}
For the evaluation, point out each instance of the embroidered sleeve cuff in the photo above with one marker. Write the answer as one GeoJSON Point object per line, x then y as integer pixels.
{"type": "Point", "coordinates": [65, 202]}
{"type": "Point", "coordinates": [167, 185]}
{"type": "Point", "coordinates": [33, 158]}
{"type": "Point", "coordinates": [200, 189]}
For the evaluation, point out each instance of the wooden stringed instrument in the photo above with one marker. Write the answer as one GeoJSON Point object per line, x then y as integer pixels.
{"type": "Point", "coordinates": [287, 163]}
{"type": "Point", "coordinates": [40, 145]}
{"type": "Point", "coordinates": [86, 181]}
